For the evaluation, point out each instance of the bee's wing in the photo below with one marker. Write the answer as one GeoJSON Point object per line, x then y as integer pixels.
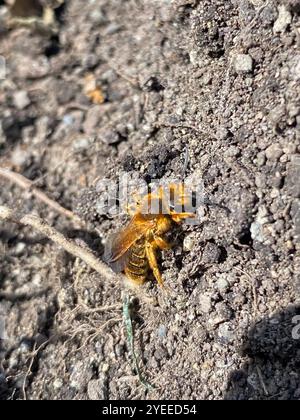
{"type": "Point", "coordinates": [117, 264]}
{"type": "Point", "coordinates": [118, 245]}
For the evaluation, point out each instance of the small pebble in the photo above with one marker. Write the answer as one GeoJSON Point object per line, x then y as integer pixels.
{"type": "Point", "coordinates": [92, 120]}
{"type": "Point", "coordinates": [225, 333]}
{"type": "Point", "coordinates": [57, 383]}
{"type": "Point", "coordinates": [222, 284]}
{"type": "Point", "coordinates": [283, 20]}
{"type": "Point", "coordinates": [82, 143]}
{"type": "Point", "coordinates": [274, 152]}
{"type": "Point", "coordinates": [205, 304]}
{"type": "Point", "coordinates": [20, 248]}
{"type": "Point", "coordinates": [19, 156]}
{"type": "Point", "coordinates": [105, 367]}
{"type": "Point", "coordinates": [21, 99]}
{"type": "Point", "coordinates": [188, 243]}
{"type": "Point", "coordinates": [243, 63]}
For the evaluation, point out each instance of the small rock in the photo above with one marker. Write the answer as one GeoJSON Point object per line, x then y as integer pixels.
{"type": "Point", "coordinates": [20, 156]}
{"type": "Point", "coordinates": [226, 335]}
{"type": "Point", "coordinates": [243, 63]}
{"type": "Point", "coordinates": [274, 152]}
{"type": "Point", "coordinates": [188, 242]}
{"type": "Point", "coordinates": [194, 57]}
{"type": "Point", "coordinates": [105, 367]}
{"type": "Point", "coordinates": [224, 311]}
{"type": "Point", "coordinates": [162, 331]}
{"type": "Point", "coordinates": [37, 279]}
{"type": "Point", "coordinates": [57, 383]}
{"type": "Point", "coordinates": [222, 284]}
{"type": "Point", "coordinates": [25, 346]}
{"type": "Point", "coordinates": [211, 254]}
{"type": "Point", "coordinates": [232, 151]}
{"type": "Point", "coordinates": [160, 354]}
{"type": "Point", "coordinates": [80, 376]}
{"type": "Point", "coordinates": [21, 99]}
{"type": "Point", "coordinates": [109, 136]}
{"type": "Point", "coordinates": [82, 143]}
{"type": "Point", "coordinates": [20, 248]}
{"type": "Point", "coordinates": [283, 20]}
{"type": "Point", "coordinates": [90, 61]}
{"type": "Point", "coordinates": [260, 181]}
{"type": "Point", "coordinates": [92, 120]}
{"type": "Point", "coordinates": [260, 159]}
{"type": "Point", "coordinates": [27, 67]}
{"type": "Point", "coordinates": [97, 16]}
{"type": "Point", "coordinates": [112, 28]}
{"type": "Point", "coordinates": [205, 304]}
{"type": "Point", "coordinates": [222, 133]}
{"type": "Point", "coordinates": [256, 228]}
{"type": "Point", "coordinates": [65, 91]}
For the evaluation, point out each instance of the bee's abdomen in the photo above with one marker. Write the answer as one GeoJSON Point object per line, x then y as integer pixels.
{"type": "Point", "coordinates": [137, 266]}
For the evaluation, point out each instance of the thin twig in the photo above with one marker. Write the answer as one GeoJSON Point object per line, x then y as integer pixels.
{"type": "Point", "coordinates": [32, 358]}
{"type": "Point", "coordinates": [28, 185]}
{"type": "Point", "coordinates": [70, 246]}
{"type": "Point", "coordinates": [262, 382]}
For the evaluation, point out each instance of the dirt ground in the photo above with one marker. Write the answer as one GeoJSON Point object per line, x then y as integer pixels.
{"type": "Point", "coordinates": [217, 80]}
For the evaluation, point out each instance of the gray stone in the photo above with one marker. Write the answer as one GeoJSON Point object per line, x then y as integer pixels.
{"type": "Point", "coordinates": [226, 335]}
{"type": "Point", "coordinates": [222, 284]}
{"type": "Point", "coordinates": [243, 63]}
{"type": "Point", "coordinates": [20, 247]}
{"type": "Point", "coordinates": [283, 20]}
{"type": "Point", "coordinates": [21, 99]}
{"type": "Point", "coordinates": [189, 242]}
{"type": "Point", "coordinates": [57, 383]}
{"type": "Point", "coordinates": [205, 304]}
{"type": "Point", "coordinates": [19, 156]}
{"type": "Point", "coordinates": [81, 373]}
{"type": "Point", "coordinates": [92, 120]}
{"type": "Point", "coordinates": [211, 254]}
{"type": "Point", "coordinates": [82, 143]}
{"type": "Point", "coordinates": [109, 136]}
{"type": "Point", "coordinates": [274, 152]}
{"type": "Point", "coordinates": [256, 228]}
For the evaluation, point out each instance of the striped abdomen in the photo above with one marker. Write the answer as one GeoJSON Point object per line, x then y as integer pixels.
{"type": "Point", "coordinates": [137, 265]}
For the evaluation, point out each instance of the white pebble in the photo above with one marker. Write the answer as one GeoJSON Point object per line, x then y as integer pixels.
{"type": "Point", "coordinates": [21, 99]}
{"type": "Point", "coordinates": [243, 63]}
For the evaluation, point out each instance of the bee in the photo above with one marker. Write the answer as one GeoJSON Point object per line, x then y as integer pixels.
{"type": "Point", "coordinates": [133, 250]}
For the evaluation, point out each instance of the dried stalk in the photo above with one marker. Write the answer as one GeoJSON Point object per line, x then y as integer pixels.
{"type": "Point", "coordinates": [28, 185]}
{"type": "Point", "coordinates": [7, 214]}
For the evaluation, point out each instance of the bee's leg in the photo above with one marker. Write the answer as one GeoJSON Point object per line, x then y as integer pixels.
{"type": "Point", "coordinates": [150, 252]}
{"type": "Point", "coordinates": [162, 243]}
{"type": "Point", "coordinates": [177, 217]}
